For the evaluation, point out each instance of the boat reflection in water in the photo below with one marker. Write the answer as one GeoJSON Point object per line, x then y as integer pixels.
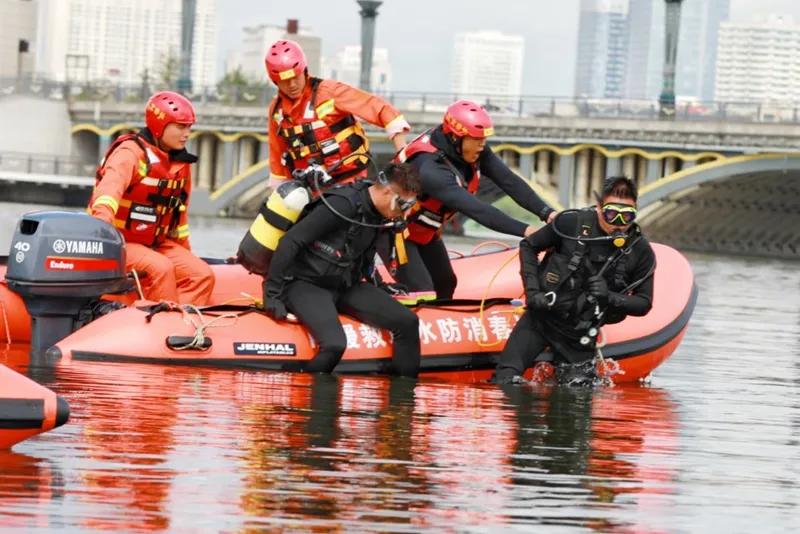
{"type": "Point", "coordinates": [154, 448]}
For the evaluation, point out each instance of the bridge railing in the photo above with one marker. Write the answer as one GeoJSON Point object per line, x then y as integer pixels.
{"type": "Point", "coordinates": [43, 164]}
{"type": "Point", "coordinates": [498, 105]}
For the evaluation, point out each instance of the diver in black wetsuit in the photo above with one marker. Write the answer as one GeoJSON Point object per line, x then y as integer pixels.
{"type": "Point", "coordinates": [321, 265]}
{"type": "Point", "coordinates": [598, 270]}
{"type": "Point", "coordinates": [450, 160]}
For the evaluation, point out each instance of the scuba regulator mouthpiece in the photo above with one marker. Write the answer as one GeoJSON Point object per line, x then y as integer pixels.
{"type": "Point", "coordinates": [618, 239]}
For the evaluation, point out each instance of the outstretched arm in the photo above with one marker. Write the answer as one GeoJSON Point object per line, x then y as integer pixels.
{"type": "Point", "coordinates": [367, 106]}
{"type": "Point", "coordinates": [439, 182]}
{"type": "Point", "coordinates": [514, 186]}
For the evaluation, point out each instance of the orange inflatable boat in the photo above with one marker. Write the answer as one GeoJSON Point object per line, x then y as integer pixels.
{"type": "Point", "coordinates": [27, 408]}
{"type": "Point", "coordinates": [460, 339]}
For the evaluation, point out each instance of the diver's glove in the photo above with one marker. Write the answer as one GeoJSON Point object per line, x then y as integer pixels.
{"type": "Point", "coordinates": [598, 287]}
{"type": "Point", "coordinates": [272, 304]}
{"type": "Point", "coordinates": [537, 301]}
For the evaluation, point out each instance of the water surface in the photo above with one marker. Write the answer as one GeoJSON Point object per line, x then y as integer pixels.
{"type": "Point", "coordinates": [709, 445]}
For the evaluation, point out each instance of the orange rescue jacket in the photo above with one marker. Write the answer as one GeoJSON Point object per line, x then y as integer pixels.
{"type": "Point", "coordinates": [321, 125]}
{"type": "Point", "coordinates": [144, 191]}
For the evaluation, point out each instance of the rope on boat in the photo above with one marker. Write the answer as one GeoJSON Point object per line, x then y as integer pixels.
{"type": "Point", "coordinates": [503, 246]}
{"type": "Point", "coordinates": [198, 341]}
{"type": "Point", "coordinates": [138, 284]}
{"type": "Point", "coordinates": [5, 321]}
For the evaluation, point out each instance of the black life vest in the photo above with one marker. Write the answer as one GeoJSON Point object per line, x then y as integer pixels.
{"type": "Point", "coordinates": [335, 260]}
{"type": "Point", "coordinates": [566, 270]}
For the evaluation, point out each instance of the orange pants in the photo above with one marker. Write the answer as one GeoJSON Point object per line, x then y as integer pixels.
{"type": "Point", "coordinates": [171, 272]}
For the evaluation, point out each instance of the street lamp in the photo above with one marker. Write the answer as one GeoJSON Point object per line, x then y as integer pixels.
{"type": "Point", "coordinates": [369, 12]}
{"type": "Point", "coordinates": [187, 38]}
{"type": "Point", "coordinates": [672, 26]}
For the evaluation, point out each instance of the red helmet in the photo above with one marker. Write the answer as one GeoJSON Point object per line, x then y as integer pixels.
{"type": "Point", "coordinates": [285, 59]}
{"type": "Point", "coordinates": [467, 118]}
{"type": "Point", "coordinates": [165, 107]}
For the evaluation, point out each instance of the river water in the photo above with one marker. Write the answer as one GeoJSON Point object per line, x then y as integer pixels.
{"type": "Point", "coordinates": [711, 444]}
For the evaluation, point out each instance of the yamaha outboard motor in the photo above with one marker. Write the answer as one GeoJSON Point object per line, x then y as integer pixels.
{"type": "Point", "coordinates": [59, 263]}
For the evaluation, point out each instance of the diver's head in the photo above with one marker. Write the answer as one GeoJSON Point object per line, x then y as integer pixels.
{"type": "Point", "coordinates": [616, 204]}
{"type": "Point", "coordinates": [395, 191]}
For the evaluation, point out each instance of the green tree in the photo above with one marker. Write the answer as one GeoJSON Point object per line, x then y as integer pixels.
{"type": "Point", "coordinates": [237, 87]}
{"type": "Point", "coordinates": [168, 69]}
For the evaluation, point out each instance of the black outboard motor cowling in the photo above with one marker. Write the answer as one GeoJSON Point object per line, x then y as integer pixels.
{"type": "Point", "coordinates": [59, 263]}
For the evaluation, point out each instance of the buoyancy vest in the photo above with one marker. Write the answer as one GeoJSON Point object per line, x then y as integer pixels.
{"type": "Point", "coordinates": [429, 214]}
{"type": "Point", "coordinates": [324, 136]}
{"type": "Point", "coordinates": [565, 271]}
{"type": "Point", "coordinates": [149, 210]}
{"type": "Point", "coordinates": [335, 260]}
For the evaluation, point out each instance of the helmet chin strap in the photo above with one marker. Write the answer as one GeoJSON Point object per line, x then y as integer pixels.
{"type": "Point", "coordinates": [459, 146]}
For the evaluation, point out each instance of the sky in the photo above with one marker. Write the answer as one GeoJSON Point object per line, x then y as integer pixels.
{"type": "Point", "coordinates": [419, 33]}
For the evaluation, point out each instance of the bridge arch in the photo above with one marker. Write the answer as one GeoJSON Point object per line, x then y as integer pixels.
{"type": "Point", "coordinates": [743, 204]}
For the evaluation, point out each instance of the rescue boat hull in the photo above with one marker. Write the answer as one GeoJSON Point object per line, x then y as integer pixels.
{"type": "Point", "coordinates": [459, 340]}
{"type": "Point", "coordinates": [27, 408]}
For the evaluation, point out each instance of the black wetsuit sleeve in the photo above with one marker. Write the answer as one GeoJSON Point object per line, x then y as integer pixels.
{"type": "Point", "coordinates": [640, 300]}
{"type": "Point", "coordinates": [319, 222]}
{"type": "Point", "coordinates": [439, 182]}
{"type": "Point", "coordinates": [529, 250]}
{"type": "Point", "coordinates": [514, 186]}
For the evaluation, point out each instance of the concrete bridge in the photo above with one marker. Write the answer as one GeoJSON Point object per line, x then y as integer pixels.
{"type": "Point", "coordinates": [699, 174]}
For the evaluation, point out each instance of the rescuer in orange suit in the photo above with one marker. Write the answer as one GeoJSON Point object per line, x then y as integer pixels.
{"type": "Point", "coordinates": [142, 188]}
{"type": "Point", "coordinates": [313, 120]}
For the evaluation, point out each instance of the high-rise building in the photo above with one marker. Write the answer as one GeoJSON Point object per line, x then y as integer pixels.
{"type": "Point", "coordinates": [697, 48]}
{"type": "Point", "coordinates": [17, 37]}
{"type": "Point", "coordinates": [123, 40]}
{"type": "Point", "coordinates": [345, 66]}
{"type": "Point", "coordinates": [249, 56]}
{"type": "Point", "coordinates": [758, 61]}
{"type": "Point", "coordinates": [487, 63]}
{"type": "Point", "coordinates": [602, 40]}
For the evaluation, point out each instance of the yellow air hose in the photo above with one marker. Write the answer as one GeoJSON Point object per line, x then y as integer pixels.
{"type": "Point", "coordinates": [486, 295]}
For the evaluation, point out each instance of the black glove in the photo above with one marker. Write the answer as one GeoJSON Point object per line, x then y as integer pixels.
{"type": "Point", "coordinates": [275, 308]}
{"type": "Point", "coordinates": [616, 300]}
{"type": "Point", "coordinates": [598, 287]}
{"type": "Point", "coordinates": [537, 301]}
{"type": "Point", "coordinates": [394, 289]}
{"type": "Point", "coordinates": [272, 303]}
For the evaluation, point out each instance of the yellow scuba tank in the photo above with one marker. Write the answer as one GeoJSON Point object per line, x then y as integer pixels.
{"type": "Point", "coordinates": [276, 216]}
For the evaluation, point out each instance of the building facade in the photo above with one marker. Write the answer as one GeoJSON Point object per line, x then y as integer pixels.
{"type": "Point", "coordinates": [759, 61]}
{"type": "Point", "coordinates": [697, 48]}
{"type": "Point", "coordinates": [123, 41]}
{"type": "Point", "coordinates": [249, 56]}
{"type": "Point", "coordinates": [602, 49]}
{"type": "Point", "coordinates": [487, 63]}
{"type": "Point", "coordinates": [17, 37]}
{"type": "Point", "coordinates": [345, 66]}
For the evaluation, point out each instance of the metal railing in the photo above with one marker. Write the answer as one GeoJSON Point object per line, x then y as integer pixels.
{"type": "Point", "coordinates": [42, 164]}
{"type": "Point", "coordinates": [498, 105]}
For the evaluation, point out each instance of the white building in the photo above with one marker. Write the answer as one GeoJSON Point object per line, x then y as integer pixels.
{"type": "Point", "coordinates": [120, 40]}
{"type": "Point", "coordinates": [256, 40]}
{"type": "Point", "coordinates": [697, 48]}
{"type": "Point", "coordinates": [487, 63]}
{"type": "Point", "coordinates": [602, 49]}
{"type": "Point", "coordinates": [759, 61]}
{"type": "Point", "coordinates": [17, 37]}
{"type": "Point", "coordinates": [345, 66]}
